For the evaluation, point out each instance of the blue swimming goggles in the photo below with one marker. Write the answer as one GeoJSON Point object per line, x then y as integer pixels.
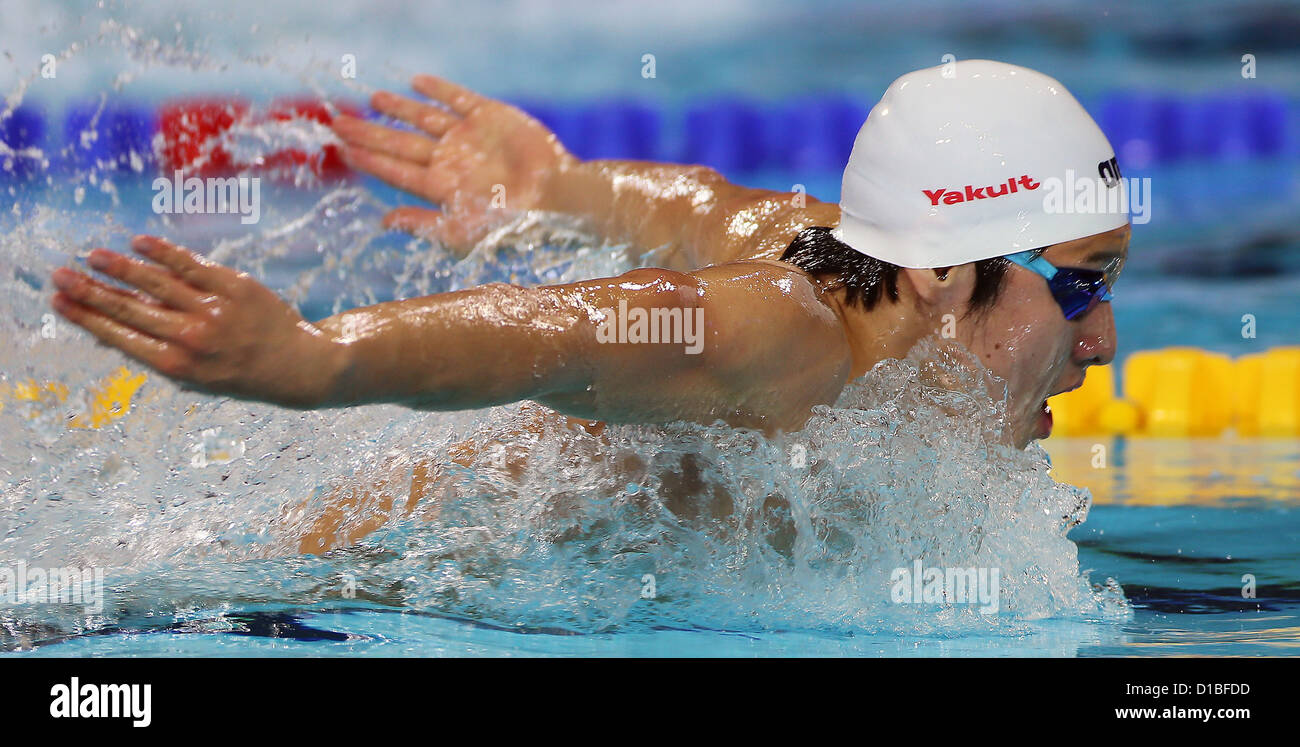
{"type": "Point", "coordinates": [1076, 290]}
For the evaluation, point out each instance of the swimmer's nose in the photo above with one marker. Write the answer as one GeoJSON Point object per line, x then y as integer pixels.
{"type": "Point", "coordinates": [1096, 344]}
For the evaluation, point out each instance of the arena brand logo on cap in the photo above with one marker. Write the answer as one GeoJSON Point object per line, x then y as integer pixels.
{"type": "Point", "coordinates": [1109, 171]}
{"type": "Point", "coordinates": [977, 193]}
{"type": "Point", "coordinates": [1107, 194]}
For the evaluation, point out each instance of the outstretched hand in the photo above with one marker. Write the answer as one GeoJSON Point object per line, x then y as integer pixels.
{"type": "Point", "coordinates": [476, 154]}
{"type": "Point", "coordinates": [201, 323]}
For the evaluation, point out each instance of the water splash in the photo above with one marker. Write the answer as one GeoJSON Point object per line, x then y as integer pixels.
{"type": "Point", "coordinates": [548, 525]}
{"type": "Point", "coordinates": [529, 522]}
{"type": "Point", "coordinates": [526, 522]}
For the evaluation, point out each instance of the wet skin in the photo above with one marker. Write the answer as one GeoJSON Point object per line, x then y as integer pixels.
{"type": "Point", "coordinates": [776, 341]}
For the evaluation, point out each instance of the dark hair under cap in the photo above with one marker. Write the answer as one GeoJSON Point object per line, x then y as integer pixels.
{"type": "Point", "coordinates": [865, 280]}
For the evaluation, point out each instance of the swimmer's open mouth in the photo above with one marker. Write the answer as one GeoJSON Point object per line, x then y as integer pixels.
{"type": "Point", "coordinates": [1045, 411]}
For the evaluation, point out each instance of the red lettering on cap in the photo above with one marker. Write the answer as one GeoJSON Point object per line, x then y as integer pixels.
{"type": "Point", "coordinates": [987, 192]}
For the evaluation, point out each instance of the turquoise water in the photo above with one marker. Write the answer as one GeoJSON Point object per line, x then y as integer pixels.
{"type": "Point", "coordinates": [1180, 557]}
{"type": "Point", "coordinates": [1180, 566]}
{"type": "Point", "coordinates": [788, 546]}
{"type": "Point", "coordinates": [201, 560]}
{"type": "Point", "coordinates": [1184, 605]}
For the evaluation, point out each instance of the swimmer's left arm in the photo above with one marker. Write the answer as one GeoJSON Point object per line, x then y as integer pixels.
{"type": "Point", "coordinates": [479, 159]}
{"type": "Point", "coordinates": [691, 214]}
{"type": "Point", "coordinates": [475, 157]}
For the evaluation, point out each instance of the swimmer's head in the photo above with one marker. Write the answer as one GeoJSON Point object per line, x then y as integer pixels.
{"type": "Point", "coordinates": [1004, 313]}
{"type": "Point", "coordinates": [973, 160]}
{"type": "Point", "coordinates": [956, 168]}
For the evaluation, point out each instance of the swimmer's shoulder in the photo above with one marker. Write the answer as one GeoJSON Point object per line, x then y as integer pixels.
{"type": "Point", "coordinates": [782, 277]}
{"type": "Point", "coordinates": [794, 341]}
{"type": "Point", "coordinates": [798, 317]}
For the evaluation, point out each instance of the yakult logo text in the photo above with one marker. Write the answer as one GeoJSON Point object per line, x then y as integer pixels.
{"type": "Point", "coordinates": [952, 197]}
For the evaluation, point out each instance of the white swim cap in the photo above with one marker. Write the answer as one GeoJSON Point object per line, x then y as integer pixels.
{"type": "Point", "coordinates": [949, 170]}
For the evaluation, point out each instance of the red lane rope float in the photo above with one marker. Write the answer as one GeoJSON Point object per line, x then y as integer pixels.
{"type": "Point", "coordinates": [326, 163]}
{"type": "Point", "coordinates": [193, 130]}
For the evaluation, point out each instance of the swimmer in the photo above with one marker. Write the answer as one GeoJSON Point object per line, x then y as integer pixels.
{"type": "Point", "coordinates": [942, 225]}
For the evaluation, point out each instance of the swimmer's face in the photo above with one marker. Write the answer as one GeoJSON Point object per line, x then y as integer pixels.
{"type": "Point", "coordinates": [1026, 340]}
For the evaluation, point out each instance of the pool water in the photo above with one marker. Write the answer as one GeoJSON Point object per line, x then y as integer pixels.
{"type": "Point", "coordinates": [1184, 605]}
{"type": "Point", "coordinates": [1181, 564]}
{"type": "Point", "coordinates": [193, 505]}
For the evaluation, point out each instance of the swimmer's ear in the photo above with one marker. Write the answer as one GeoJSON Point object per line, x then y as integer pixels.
{"type": "Point", "coordinates": [946, 287]}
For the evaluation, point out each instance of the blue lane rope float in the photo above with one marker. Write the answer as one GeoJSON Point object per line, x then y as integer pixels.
{"type": "Point", "coordinates": [731, 133]}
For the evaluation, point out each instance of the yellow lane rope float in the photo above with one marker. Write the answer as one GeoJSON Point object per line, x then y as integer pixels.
{"type": "Point", "coordinates": [1186, 392]}
{"type": "Point", "coordinates": [109, 400]}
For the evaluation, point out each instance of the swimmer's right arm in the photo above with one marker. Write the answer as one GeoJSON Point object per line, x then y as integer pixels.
{"type": "Point", "coordinates": [750, 343]}
{"type": "Point", "coordinates": [768, 348]}
{"type": "Point", "coordinates": [473, 155]}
